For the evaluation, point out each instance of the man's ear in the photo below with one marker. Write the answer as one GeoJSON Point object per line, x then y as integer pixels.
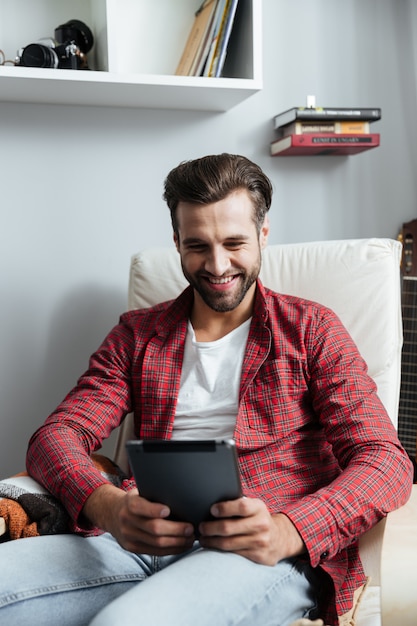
{"type": "Point", "coordinates": [176, 241]}
{"type": "Point", "coordinates": [263, 235]}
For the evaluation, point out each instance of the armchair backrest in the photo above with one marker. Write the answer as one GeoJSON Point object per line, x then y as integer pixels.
{"type": "Point", "coordinates": [359, 279]}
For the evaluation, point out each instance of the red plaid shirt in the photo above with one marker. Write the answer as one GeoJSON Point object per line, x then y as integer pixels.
{"type": "Point", "coordinates": [314, 440]}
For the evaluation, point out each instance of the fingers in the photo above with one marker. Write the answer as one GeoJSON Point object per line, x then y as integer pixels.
{"type": "Point", "coordinates": [241, 507]}
{"type": "Point", "coordinates": [241, 526]}
{"type": "Point", "coordinates": [152, 518]}
{"type": "Point", "coordinates": [159, 537]}
{"type": "Point", "coordinates": [144, 527]}
{"type": "Point", "coordinates": [140, 507]}
{"type": "Point", "coordinates": [241, 516]}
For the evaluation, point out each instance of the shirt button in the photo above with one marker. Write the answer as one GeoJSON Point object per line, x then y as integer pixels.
{"type": "Point", "coordinates": [324, 555]}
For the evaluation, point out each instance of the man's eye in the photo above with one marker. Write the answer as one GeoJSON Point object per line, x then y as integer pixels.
{"type": "Point", "coordinates": [233, 245]}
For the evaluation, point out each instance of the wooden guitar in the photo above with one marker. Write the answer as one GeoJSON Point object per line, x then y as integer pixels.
{"type": "Point", "coordinates": [407, 414]}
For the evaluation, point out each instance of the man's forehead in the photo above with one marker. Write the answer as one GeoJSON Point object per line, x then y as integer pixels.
{"type": "Point", "coordinates": [238, 205]}
{"type": "Point", "coordinates": [225, 224]}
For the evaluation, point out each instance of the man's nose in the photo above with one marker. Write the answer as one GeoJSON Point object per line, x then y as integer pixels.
{"type": "Point", "coordinates": [217, 262]}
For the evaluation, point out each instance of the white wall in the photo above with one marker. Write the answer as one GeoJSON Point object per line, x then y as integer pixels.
{"type": "Point", "coordinates": [81, 187]}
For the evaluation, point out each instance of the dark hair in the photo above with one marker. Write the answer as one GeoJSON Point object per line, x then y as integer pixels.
{"type": "Point", "coordinates": [211, 178]}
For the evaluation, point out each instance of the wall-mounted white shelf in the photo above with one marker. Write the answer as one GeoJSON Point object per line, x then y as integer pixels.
{"type": "Point", "coordinates": [137, 47]}
{"type": "Point", "coordinates": [128, 90]}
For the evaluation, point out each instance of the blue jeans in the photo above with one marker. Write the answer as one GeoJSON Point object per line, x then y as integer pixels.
{"type": "Point", "coordinates": [66, 580]}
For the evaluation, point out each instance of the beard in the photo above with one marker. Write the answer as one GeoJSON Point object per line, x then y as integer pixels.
{"type": "Point", "coordinates": [222, 302]}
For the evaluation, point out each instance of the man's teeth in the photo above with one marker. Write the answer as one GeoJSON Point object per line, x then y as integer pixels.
{"type": "Point", "coordinates": [221, 281]}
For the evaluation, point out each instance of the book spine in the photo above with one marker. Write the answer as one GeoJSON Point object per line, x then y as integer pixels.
{"type": "Point", "coordinates": [210, 8]}
{"type": "Point", "coordinates": [193, 40]}
{"type": "Point", "coordinates": [312, 128]}
{"type": "Point", "coordinates": [343, 114]}
{"type": "Point", "coordinates": [225, 39]}
{"type": "Point", "coordinates": [323, 114]}
{"type": "Point", "coordinates": [313, 144]}
{"type": "Point", "coordinates": [220, 8]}
{"type": "Point", "coordinates": [219, 40]}
{"type": "Point", "coordinates": [352, 127]}
{"type": "Point", "coordinates": [332, 139]}
{"type": "Point", "coordinates": [201, 61]}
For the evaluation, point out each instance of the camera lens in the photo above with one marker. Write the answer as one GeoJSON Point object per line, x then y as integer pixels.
{"type": "Point", "coordinates": [37, 55]}
{"type": "Point", "coordinates": [77, 31]}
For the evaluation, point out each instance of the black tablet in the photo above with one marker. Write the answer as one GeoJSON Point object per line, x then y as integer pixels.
{"type": "Point", "coordinates": [187, 476]}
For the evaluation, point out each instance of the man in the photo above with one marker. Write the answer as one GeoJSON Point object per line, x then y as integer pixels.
{"type": "Point", "coordinates": [318, 454]}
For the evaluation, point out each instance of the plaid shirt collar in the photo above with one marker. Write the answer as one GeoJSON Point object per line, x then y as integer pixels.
{"type": "Point", "coordinates": [180, 309]}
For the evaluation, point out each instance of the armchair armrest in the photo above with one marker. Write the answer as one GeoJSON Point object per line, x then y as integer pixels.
{"type": "Point", "coordinates": [399, 566]}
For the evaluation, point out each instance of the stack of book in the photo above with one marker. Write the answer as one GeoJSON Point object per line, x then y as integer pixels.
{"type": "Point", "coordinates": [205, 49]}
{"type": "Point", "coordinates": [303, 131]}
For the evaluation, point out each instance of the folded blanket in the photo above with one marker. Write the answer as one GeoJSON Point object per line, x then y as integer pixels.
{"type": "Point", "coordinates": [30, 510]}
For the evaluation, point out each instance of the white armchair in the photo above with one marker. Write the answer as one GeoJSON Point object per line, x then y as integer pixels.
{"type": "Point", "coordinates": [360, 281]}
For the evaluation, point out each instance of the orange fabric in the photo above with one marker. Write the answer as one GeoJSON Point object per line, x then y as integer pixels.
{"type": "Point", "coordinates": [18, 523]}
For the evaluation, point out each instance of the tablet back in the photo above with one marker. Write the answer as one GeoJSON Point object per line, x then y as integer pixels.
{"type": "Point", "coordinates": [187, 476]}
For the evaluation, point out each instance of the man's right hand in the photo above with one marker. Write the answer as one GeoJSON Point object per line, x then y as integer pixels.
{"type": "Point", "coordinates": [138, 525]}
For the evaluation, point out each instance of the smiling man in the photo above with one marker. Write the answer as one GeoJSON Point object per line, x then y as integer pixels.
{"type": "Point", "coordinates": [318, 454]}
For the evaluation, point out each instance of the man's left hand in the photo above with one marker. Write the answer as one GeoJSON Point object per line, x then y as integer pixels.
{"type": "Point", "coordinates": [246, 527]}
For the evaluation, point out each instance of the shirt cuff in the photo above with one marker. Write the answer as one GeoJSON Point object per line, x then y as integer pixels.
{"type": "Point", "coordinates": [317, 527]}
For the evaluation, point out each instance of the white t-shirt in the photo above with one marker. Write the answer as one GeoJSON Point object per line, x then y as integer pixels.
{"type": "Point", "coordinates": [209, 391]}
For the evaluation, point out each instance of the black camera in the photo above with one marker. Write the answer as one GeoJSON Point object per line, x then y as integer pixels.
{"type": "Point", "coordinates": [67, 50]}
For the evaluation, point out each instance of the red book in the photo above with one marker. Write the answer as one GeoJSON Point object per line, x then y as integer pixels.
{"type": "Point", "coordinates": [323, 144]}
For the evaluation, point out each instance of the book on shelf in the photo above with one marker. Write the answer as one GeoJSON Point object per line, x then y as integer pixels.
{"type": "Point", "coordinates": [200, 58]}
{"type": "Point", "coordinates": [320, 114]}
{"type": "Point", "coordinates": [202, 55]}
{"type": "Point", "coordinates": [223, 39]}
{"type": "Point", "coordinates": [194, 46]}
{"type": "Point", "coordinates": [218, 23]}
{"type": "Point", "coordinates": [323, 144]}
{"type": "Point", "coordinates": [338, 127]}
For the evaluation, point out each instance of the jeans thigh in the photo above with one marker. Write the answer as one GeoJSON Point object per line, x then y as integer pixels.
{"type": "Point", "coordinates": [210, 587]}
{"type": "Point", "coordinates": [64, 579]}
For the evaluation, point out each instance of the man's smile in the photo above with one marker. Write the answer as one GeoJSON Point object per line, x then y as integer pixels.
{"type": "Point", "coordinates": [220, 284]}
{"type": "Point", "coordinates": [220, 281]}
